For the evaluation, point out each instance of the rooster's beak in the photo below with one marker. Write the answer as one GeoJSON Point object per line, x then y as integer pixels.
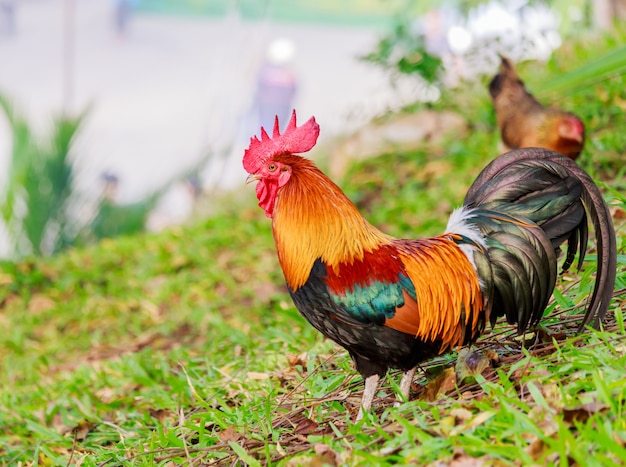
{"type": "Point", "coordinates": [252, 178]}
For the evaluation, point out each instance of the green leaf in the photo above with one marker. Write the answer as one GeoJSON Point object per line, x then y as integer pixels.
{"type": "Point", "coordinates": [243, 455]}
{"type": "Point", "coordinates": [610, 64]}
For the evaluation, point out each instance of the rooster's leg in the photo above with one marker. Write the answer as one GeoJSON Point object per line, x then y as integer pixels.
{"type": "Point", "coordinates": [405, 385]}
{"type": "Point", "coordinates": [371, 384]}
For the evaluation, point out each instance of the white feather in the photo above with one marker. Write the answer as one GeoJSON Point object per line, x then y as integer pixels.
{"type": "Point", "coordinates": [457, 224]}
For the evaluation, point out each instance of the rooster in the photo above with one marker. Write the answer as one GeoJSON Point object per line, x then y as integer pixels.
{"type": "Point", "coordinates": [525, 123]}
{"type": "Point", "coordinates": [393, 303]}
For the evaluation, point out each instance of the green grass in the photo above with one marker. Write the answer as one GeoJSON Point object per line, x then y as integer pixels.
{"type": "Point", "coordinates": [184, 348]}
{"type": "Point", "coordinates": [362, 13]}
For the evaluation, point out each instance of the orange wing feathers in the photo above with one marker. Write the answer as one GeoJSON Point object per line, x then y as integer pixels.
{"type": "Point", "coordinates": [448, 297]}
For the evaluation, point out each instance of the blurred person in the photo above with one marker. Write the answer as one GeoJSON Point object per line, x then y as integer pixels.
{"type": "Point", "coordinates": [435, 32]}
{"type": "Point", "coordinates": [7, 9]}
{"type": "Point", "coordinates": [276, 84]}
{"type": "Point", "coordinates": [176, 205]}
{"type": "Point", "coordinates": [113, 219]}
{"type": "Point", "coordinates": [110, 186]}
{"type": "Point", "coordinates": [121, 14]}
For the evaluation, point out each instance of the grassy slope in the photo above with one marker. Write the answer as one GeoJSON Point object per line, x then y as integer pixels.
{"type": "Point", "coordinates": [184, 347]}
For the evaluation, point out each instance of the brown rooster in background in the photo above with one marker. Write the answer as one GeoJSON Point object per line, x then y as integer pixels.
{"type": "Point", "coordinates": [393, 303]}
{"type": "Point", "coordinates": [525, 123]}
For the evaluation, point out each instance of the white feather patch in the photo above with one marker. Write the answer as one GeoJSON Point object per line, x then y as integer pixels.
{"type": "Point", "coordinates": [457, 224]}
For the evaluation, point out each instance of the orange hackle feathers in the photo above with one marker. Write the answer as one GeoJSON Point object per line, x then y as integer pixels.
{"type": "Point", "coordinates": [295, 139]}
{"type": "Point", "coordinates": [314, 219]}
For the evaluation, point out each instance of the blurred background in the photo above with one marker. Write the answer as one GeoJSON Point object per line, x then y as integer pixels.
{"type": "Point", "coordinates": [123, 115]}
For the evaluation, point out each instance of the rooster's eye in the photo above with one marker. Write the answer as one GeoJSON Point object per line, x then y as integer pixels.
{"type": "Point", "coordinates": [271, 167]}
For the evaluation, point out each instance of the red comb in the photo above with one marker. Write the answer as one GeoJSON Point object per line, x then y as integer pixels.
{"type": "Point", "coordinates": [294, 140]}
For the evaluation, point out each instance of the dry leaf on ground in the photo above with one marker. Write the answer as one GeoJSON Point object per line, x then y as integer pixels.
{"type": "Point", "coordinates": [443, 383]}
{"type": "Point", "coordinates": [229, 434]}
